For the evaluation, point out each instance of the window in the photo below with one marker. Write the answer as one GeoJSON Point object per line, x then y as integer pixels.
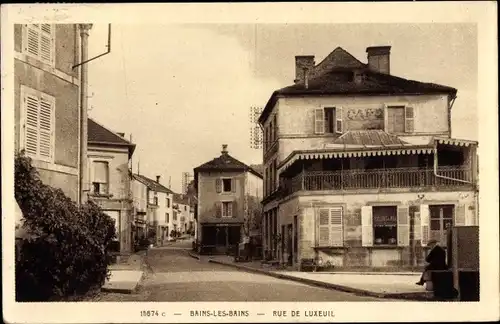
{"type": "Point", "coordinates": [37, 122]}
{"type": "Point", "coordinates": [385, 225]}
{"type": "Point", "coordinates": [227, 185]}
{"type": "Point", "coordinates": [39, 42]}
{"type": "Point", "coordinates": [155, 199]}
{"type": "Point", "coordinates": [400, 119]}
{"type": "Point", "coordinates": [275, 131]}
{"type": "Point", "coordinates": [185, 208]}
{"type": "Point", "coordinates": [227, 209]}
{"type": "Point", "coordinates": [441, 218]}
{"type": "Point", "coordinates": [328, 120]}
{"type": "Point", "coordinates": [167, 202]}
{"type": "Point", "coordinates": [330, 229]}
{"type": "Point", "coordinates": [167, 218]}
{"type": "Point", "coordinates": [409, 119]}
{"type": "Point", "coordinates": [100, 181]}
{"type": "Point", "coordinates": [175, 216]}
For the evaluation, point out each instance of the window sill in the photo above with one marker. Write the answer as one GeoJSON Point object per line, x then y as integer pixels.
{"type": "Point", "coordinates": [97, 195]}
{"type": "Point", "coordinates": [385, 246]}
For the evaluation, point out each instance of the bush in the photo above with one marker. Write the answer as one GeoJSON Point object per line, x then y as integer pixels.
{"type": "Point", "coordinates": [66, 251]}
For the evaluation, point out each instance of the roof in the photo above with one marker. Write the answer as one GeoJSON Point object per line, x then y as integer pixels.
{"type": "Point", "coordinates": [152, 184]}
{"type": "Point", "coordinates": [258, 168]}
{"type": "Point", "coordinates": [100, 135]}
{"type": "Point", "coordinates": [370, 138]}
{"type": "Point", "coordinates": [326, 79]}
{"type": "Point", "coordinates": [225, 162]}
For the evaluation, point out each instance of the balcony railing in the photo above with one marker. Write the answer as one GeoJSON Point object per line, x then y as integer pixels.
{"type": "Point", "coordinates": [377, 179]}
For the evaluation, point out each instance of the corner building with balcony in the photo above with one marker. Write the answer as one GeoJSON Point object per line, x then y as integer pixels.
{"type": "Point", "coordinates": [360, 169]}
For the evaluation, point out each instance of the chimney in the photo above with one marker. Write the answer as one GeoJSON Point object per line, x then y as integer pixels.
{"type": "Point", "coordinates": [121, 134]}
{"type": "Point", "coordinates": [158, 178]}
{"type": "Point", "coordinates": [303, 64]}
{"type": "Point", "coordinates": [224, 149]}
{"type": "Point", "coordinates": [379, 58]}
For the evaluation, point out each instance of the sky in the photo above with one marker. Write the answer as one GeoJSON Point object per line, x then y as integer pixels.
{"type": "Point", "coordinates": [184, 90]}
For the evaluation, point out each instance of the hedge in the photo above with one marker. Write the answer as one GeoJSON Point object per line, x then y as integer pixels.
{"type": "Point", "coordinates": [65, 253]}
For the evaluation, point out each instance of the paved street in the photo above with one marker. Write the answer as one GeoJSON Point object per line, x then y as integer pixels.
{"type": "Point", "coordinates": [175, 276]}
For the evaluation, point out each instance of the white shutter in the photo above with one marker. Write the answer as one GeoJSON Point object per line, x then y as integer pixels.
{"type": "Point", "coordinates": [324, 227]}
{"type": "Point", "coordinates": [339, 121]}
{"type": "Point", "coordinates": [32, 41]}
{"type": "Point", "coordinates": [319, 121]}
{"type": "Point", "coordinates": [31, 137]}
{"type": "Point", "coordinates": [417, 229]}
{"type": "Point", "coordinates": [234, 182]}
{"type": "Point", "coordinates": [366, 226]}
{"type": "Point", "coordinates": [424, 224]}
{"type": "Point", "coordinates": [336, 228]}
{"type": "Point", "coordinates": [409, 119]}
{"type": "Point", "coordinates": [46, 129]}
{"type": "Point", "coordinates": [403, 226]}
{"type": "Point", "coordinates": [46, 42]}
{"type": "Point", "coordinates": [460, 215]}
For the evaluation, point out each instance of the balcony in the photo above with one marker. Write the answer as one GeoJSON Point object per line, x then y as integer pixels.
{"type": "Point", "coordinates": [377, 179]}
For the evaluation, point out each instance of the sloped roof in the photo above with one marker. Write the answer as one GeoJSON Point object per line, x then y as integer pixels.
{"type": "Point", "coordinates": [152, 184]}
{"type": "Point", "coordinates": [324, 80]}
{"type": "Point", "coordinates": [225, 162]}
{"type": "Point", "coordinates": [258, 167]}
{"type": "Point", "coordinates": [100, 135]}
{"type": "Point", "coordinates": [369, 138]}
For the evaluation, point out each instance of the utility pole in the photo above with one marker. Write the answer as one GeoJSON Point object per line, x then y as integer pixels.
{"type": "Point", "coordinates": [84, 34]}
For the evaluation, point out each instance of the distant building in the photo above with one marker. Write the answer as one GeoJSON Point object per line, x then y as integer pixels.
{"type": "Point", "coordinates": [108, 159]}
{"type": "Point", "coordinates": [153, 206]}
{"type": "Point", "coordinates": [360, 166]}
{"type": "Point", "coordinates": [229, 194]}
{"type": "Point", "coordinates": [182, 212]}
{"type": "Point", "coordinates": [47, 90]}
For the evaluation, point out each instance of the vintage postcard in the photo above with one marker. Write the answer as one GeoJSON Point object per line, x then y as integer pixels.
{"type": "Point", "coordinates": [277, 162]}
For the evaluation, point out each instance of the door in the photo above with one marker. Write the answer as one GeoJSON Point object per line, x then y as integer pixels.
{"type": "Point", "coordinates": [441, 219]}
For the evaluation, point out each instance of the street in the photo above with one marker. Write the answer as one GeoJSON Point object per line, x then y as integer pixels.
{"type": "Point", "coordinates": [175, 276]}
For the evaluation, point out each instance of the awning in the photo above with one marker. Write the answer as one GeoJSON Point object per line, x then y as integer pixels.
{"type": "Point", "coordinates": [352, 152]}
{"type": "Point", "coordinates": [454, 141]}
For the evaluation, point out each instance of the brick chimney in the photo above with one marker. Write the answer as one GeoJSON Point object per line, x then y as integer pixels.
{"type": "Point", "coordinates": [158, 178]}
{"type": "Point", "coordinates": [224, 149]}
{"type": "Point", "coordinates": [379, 58]}
{"type": "Point", "coordinates": [303, 65]}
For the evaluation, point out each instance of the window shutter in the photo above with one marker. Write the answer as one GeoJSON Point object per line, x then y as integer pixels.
{"type": "Point", "coordinates": [403, 226]}
{"type": "Point", "coordinates": [366, 226]}
{"type": "Point", "coordinates": [324, 227]}
{"type": "Point", "coordinates": [31, 137]}
{"type": "Point", "coordinates": [336, 227]}
{"type": "Point", "coordinates": [46, 127]}
{"type": "Point", "coordinates": [460, 215]}
{"type": "Point", "coordinates": [100, 172]}
{"type": "Point", "coordinates": [424, 224]}
{"type": "Point", "coordinates": [234, 209]}
{"type": "Point", "coordinates": [233, 185]}
{"type": "Point", "coordinates": [46, 42]}
{"type": "Point", "coordinates": [218, 209]}
{"type": "Point", "coordinates": [417, 229]}
{"type": "Point", "coordinates": [32, 40]}
{"type": "Point", "coordinates": [319, 121]}
{"type": "Point", "coordinates": [409, 119]}
{"type": "Point", "coordinates": [339, 121]}
{"type": "Point", "coordinates": [218, 185]}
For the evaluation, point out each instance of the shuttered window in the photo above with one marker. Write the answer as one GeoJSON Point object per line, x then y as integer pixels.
{"type": "Point", "coordinates": [339, 122]}
{"type": "Point", "coordinates": [37, 124]}
{"type": "Point", "coordinates": [330, 227]}
{"type": "Point", "coordinates": [319, 121]}
{"type": "Point", "coordinates": [409, 119]}
{"type": "Point", "coordinates": [227, 209]}
{"type": "Point", "coordinates": [424, 224]}
{"type": "Point", "coordinates": [100, 181]}
{"type": "Point", "coordinates": [403, 230]}
{"type": "Point", "coordinates": [366, 226]}
{"type": "Point", "coordinates": [39, 41]}
{"type": "Point", "coordinates": [396, 119]}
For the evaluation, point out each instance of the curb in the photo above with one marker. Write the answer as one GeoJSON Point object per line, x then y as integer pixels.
{"type": "Point", "coordinates": [194, 256]}
{"type": "Point", "coordinates": [310, 282]}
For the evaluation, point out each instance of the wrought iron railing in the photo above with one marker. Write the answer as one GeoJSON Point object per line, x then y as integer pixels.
{"type": "Point", "coordinates": [377, 179]}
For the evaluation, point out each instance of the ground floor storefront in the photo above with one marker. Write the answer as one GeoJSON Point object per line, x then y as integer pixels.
{"type": "Point", "coordinates": [363, 230]}
{"type": "Point", "coordinates": [218, 238]}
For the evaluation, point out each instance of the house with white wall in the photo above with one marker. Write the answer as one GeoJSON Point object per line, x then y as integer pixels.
{"type": "Point", "coordinates": [360, 169]}
{"type": "Point", "coordinates": [153, 205]}
{"type": "Point", "coordinates": [108, 156]}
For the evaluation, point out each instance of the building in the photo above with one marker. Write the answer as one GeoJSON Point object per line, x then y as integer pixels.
{"type": "Point", "coordinates": [226, 189]}
{"type": "Point", "coordinates": [153, 209]}
{"type": "Point", "coordinates": [47, 91]}
{"type": "Point", "coordinates": [108, 157]}
{"type": "Point", "coordinates": [360, 166]}
{"type": "Point", "coordinates": [182, 213]}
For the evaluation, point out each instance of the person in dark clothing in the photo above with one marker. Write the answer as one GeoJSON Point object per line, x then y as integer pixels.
{"type": "Point", "coordinates": [436, 260]}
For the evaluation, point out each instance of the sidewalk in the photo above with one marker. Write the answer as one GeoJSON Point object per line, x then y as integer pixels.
{"type": "Point", "coordinates": [375, 284]}
{"type": "Point", "coordinates": [126, 274]}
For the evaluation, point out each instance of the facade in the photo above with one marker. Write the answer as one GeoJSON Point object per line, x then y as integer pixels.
{"type": "Point", "coordinates": [153, 208]}
{"type": "Point", "coordinates": [108, 156]}
{"type": "Point", "coordinates": [225, 188]}
{"type": "Point", "coordinates": [360, 169]}
{"type": "Point", "coordinates": [182, 212]}
{"type": "Point", "coordinates": [47, 91]}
